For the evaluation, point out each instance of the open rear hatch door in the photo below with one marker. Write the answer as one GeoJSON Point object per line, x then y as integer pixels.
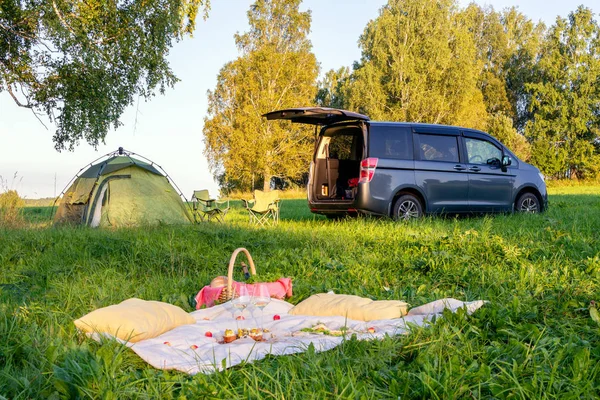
{"type": "Point", "coordinates": [315, 115]}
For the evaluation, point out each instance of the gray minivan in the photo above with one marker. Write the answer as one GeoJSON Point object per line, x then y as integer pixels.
{"type": "Point", "coordinates": [405, 170]}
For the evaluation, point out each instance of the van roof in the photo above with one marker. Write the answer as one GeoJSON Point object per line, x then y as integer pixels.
{"type": "Point", "coordinates": [417, 126]}
{"type": "Point", "coordinates": [421, 125]}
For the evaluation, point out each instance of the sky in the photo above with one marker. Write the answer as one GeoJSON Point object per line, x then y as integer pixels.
{"type": "Point", "coordinates": [168, 129]}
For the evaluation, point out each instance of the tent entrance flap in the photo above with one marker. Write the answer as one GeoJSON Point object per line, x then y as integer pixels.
{"type": "Point", "coordinates": [98, 210]}
{"type": "Point", "coordinates": [80, 192]}
{"type": "Point", "coordinates": [100, 196]}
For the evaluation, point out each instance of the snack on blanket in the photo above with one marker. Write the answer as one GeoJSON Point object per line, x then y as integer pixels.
{"type": "Point", "coordinates": [256, 334]}
{"type": "Point", "coordinates": [322, 329]}
{"type": "Point", "coordinates": [229, 336]}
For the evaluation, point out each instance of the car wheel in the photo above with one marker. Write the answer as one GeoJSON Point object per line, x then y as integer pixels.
{"type": "Point", "coordinates": [528, 203]}
{"type": "Point", "coordinates": [407, 207]}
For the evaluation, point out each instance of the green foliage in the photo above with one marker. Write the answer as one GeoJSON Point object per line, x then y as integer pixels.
{"type": "Point", "coordinates": [276, 69]}
{"type": "Point", "coordinates": [524, 39]}
{"type": "Point", "coordinates": [265, 277]}
{"type": "Point", "coordinates": [491, 46]}
{"type": "Point", "coordinates": [565, 98]}
{"type": "Point", "coordinates": [418, 64]}
{"type": "Point", "coordinates": [534, 339]}
{"type": "Point", "coordinates": [333, 88]}
{"type": "Point", "coordinates": [430, 61]}
{"type": "Point", "coordinates": [82, 63]}
{"type": "Point", "coordinates": [507, 44]}
{"type": "Point", "coordinates": [501, 127]}
{"type": "Point", "coordinates": [11, 205]}
{"type": "Point", "coordinates": [10, 208]}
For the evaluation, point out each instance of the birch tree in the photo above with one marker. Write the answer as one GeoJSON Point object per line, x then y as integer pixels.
{"type": "Point", "coordinates": [276, 69]}
{"type": "Point", "coordinates": [419, 64]}
{"type": "Point", "coordinates": [81, 63]}
{"type": "Point", "coordinates": [565, 98]}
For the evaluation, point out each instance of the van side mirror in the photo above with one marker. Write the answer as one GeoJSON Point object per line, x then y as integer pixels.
{"type": "Point", "coordinates": [494, 162]}
{"type": "Point", "coordinates": [506, 161]}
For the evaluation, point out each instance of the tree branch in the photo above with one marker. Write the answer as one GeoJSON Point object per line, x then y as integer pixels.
{"type": "Point", "coordinates": [29, 106]}
{"type": "Point", "coordinates": [62, 18]}
{"type": "Point", "coordinates": [9, 90]}
{"type": "Point", "coordinates": [38, 118]}
{"type": "Point", "coordinates": [21, 34]}
{"type": "Point", "coordinates": [66, 25]}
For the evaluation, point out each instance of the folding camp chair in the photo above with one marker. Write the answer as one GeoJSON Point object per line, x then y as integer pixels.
{"type": "Point", "coordinates": [205, 207]}
{"type": "Point", "coordinates": [264, 208]}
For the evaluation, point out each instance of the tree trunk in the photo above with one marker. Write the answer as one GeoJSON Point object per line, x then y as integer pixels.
{"type": "Point", "coordinates": [267, 180]}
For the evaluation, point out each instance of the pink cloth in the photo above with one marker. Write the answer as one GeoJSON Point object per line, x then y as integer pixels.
{"type": "Point", "coordinates": [279, 289]}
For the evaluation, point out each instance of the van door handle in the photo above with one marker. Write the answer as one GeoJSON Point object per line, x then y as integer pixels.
{"type": "Point", "coordinates": [475, 169]}
{"type": "Point", "coordinates": [459, 168]}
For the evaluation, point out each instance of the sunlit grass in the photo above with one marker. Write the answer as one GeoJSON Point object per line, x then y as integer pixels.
{"type": "Point", "coordinates": [533, 340]}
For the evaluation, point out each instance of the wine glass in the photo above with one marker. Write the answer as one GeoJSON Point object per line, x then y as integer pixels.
{"type": "Point", "coordinates": [260, 300]}
{"type": "Point", "coordinates": [242, 300]}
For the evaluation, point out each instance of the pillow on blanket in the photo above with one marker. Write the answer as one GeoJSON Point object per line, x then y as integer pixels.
{"type": "Point", "coordinates": [135, 319]}
{"type": "Point", "coordinates": [351, 307]}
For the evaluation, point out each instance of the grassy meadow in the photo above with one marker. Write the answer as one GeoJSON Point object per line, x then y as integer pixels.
{"type": "Point", "coordinates": [535, 338]}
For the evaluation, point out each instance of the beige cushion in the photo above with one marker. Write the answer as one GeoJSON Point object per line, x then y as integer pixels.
{"type": "Point", "coordinates": [351, 307]}
{"type": "Point", "coordinates": [135, 319]}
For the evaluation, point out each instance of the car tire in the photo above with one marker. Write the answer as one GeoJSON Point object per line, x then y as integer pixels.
{"type": "Point", "coordinates": [407, 207]}
{"type": "Point", "coordinates": [528, 203]}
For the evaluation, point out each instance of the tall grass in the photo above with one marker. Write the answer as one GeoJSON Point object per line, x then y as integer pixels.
{"type": "Point", "coordinates": [11, 206]}
{"type": "Point", "coordinates": [534, 339]}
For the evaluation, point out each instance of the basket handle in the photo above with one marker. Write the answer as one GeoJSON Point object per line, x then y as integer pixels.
{"type": "Point", "coordinates": [232, 264]}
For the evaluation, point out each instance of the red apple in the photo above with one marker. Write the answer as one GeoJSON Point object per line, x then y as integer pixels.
{"type": "Point", "coordinates": [208, 334]}
{"type": "Point", "coordinates": [276, 317]}
{"type": "Point", "coordinates": [167, 343]}
{"type": "Point", "coordinates": [193, 347]}
{"type": "Point", "coordinates": [371, 330]}
{"type": "Point", "coordinates": [240, 317]}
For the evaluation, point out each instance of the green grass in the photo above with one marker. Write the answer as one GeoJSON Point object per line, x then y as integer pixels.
{"type": "Point", "coordinates": [534, 339]}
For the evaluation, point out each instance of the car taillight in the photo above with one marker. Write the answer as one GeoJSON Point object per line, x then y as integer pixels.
{"type": "Point", "coordinates": [367, 169]}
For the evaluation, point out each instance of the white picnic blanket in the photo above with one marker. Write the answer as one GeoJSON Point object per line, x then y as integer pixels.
{"type": "Point", "coordinates": [188, 349]}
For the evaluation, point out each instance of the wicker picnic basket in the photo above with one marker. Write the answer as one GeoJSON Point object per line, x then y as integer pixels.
{"type": "Point", "coordinates": [228, 292]}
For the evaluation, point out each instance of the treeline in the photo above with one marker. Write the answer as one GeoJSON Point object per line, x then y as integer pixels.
{"type": "Point", "coordinates": [535, 88]}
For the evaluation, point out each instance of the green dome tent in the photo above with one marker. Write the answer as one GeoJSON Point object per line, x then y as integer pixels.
{"type": "Point", "coordinates": [121, 191]}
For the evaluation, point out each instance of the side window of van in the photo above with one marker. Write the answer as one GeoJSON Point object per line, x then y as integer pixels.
{"type": "Point", "coordinates": [481, 151]}
{"type": "Point", "coordinates": [393, 142]}
{"type": "Point", "coordinates": [438, 148]}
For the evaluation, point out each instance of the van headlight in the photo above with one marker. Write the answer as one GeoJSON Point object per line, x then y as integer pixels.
{"type": "Point", "coordinates": [542, 177]}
